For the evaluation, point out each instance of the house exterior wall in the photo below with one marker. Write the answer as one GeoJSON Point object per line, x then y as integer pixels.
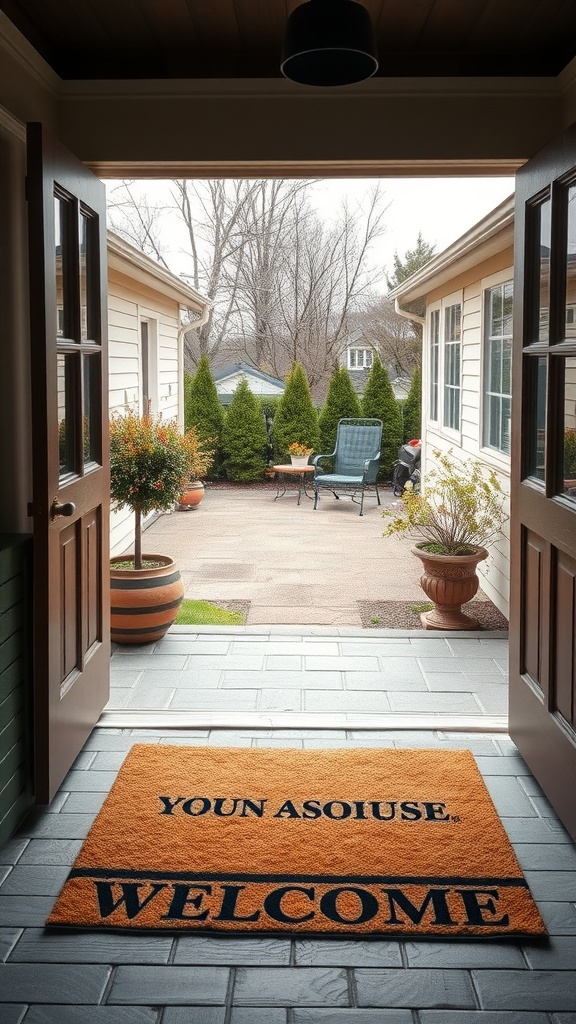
{"type": "Point", "coordinates": [467, 442]}
{"type": "Point", "coordinates": [129, 306]}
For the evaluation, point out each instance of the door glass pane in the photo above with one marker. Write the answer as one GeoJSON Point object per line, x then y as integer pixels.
{"type": "Point", "coordinates": [544, 271]}
{"type": "Point", "coordinates": [571, 266]}
{"type": "Point", "coordinates": [61, 221]}
{"type": "Point", "coordinates": [82, 277]}
{"type": "Point", "coordinates": [65, 414]}
{"type": "Point", "coordinates": [570, 427]}
{"type": "Point", "coordinates": [537, 367]}
{"type": "Point", "coordinates": [91, 409]}
{"type": "Point", "coordinates": [89, 312]}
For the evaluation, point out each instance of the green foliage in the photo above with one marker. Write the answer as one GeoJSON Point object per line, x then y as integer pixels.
{"type": "Point", "coordinates": [379, 401]}
{"type": "Point", "coordinates": [412, 261]}
{"type": "Point", "coordinates": [296, 419]}
{"type": "Point", "coordinates": [148, 461]}
{"type": "Point", "coordinates": [244, 437]}
{"type": "Point", "coordinates": [202, 409]}
{"type": "Point", "coordinates": [412, 411]}
{"type": "Point", "coordinates": [199, 458]}
{"type": "Point", "coordinates": [203, 613]}
{"type": "Point", "coordinates": [570, 453]}
{"type": "Point", "coordinates": [341, 401]}
{"type": "Point", "coordinates": [462, 508]}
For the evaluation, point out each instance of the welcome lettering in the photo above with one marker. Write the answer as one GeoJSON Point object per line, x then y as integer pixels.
{"type": "Point", "coordinates": [389, 907]}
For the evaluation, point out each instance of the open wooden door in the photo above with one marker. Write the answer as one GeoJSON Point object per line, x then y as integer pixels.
{"type": "Point", "coordinates": [68, 310]}
{"type": "Point", "coordinates": [543, 517]}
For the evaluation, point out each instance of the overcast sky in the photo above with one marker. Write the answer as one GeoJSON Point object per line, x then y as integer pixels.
{"type": "Point", "coordinates": [443, 209]}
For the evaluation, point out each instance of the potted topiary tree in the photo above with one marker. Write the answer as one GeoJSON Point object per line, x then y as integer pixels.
{"type": "Point", "coordinates": [148, 463]}
{"type": "Point", "coordinates": [460, 512]}
{"type": "Point", "coordinates": [199, 459]}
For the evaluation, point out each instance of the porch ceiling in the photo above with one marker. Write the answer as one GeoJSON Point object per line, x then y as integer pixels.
{"type": "Point", "coordinates": [238, 39]}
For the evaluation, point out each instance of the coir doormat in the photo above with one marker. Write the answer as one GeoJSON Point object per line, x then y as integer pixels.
{"type": "Point", "coordinates": [362, 841]}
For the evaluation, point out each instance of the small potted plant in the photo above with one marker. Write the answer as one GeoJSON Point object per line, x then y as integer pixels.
{"type": "Point", "coordinates": [460, 512]}
{"type": "Point", "coordinates": [148, 463]}
{"type": "Point", "coordinates": [299, 453]}
{"type": "Point", "coordinates": [199, 460]}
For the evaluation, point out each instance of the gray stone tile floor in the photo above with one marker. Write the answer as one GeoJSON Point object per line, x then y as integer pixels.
{"type": "Point", "coordinates": [99, 978]}
{"type": "Point", "coordinates": [318, 669]}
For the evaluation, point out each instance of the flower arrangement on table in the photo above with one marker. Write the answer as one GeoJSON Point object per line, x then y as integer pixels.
{"type": "Point", "coordinates": [298, 449]}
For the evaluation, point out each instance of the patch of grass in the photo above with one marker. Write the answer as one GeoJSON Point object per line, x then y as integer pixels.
{"type": "Point", "coordinates": [422, 606]}
{"type": "Point", "coordinates": [202, 613]}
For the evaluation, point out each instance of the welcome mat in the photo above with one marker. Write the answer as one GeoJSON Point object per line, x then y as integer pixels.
{"type": "Point", "coordinates": [362, 841]}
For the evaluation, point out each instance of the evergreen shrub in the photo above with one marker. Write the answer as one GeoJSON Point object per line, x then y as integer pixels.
{"type": "Point", "coordinates": [380, 401]}
{"type": "Point", "coordinates": [296, 419]}
{"type": "Point", "coordinates": [244, 437]}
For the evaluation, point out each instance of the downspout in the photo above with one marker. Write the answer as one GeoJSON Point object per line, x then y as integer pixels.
{"type": "Point", "coordinates": [184, 328]}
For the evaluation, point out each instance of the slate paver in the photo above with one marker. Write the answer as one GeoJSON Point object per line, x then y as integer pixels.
{"type": "Point", "coordinates": [526, 990]}
{"type": "Point", "coordinates": [415, 988]}
{"type": "Point", "coordinates": [355, 1016]}
{"type": "Point", "coordinates": [344, 952]}
{"type": "Point", "coordinates": [187, 986]}
{"type": "Point", "coordinates": [92, 1015]}
{"type": "Point", "coordinates": [202, 949]}
{"type": "Point", "coordinates": [8, 939]}
{"type": "Point", "coordinates": [53, 983]}
{"type": "Point", "coordinates": [291, 986]}
{"type": "Point", "coordinates": [463, 955]}
{"type": "Point", "coordinates": [90, 947]}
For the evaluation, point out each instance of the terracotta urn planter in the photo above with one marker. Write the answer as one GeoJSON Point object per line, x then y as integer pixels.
{"type": "Point", "coordinates": [144, 602]}
{"type": "Point", "coordinates": [449, 581]}
{"type": "Point", "coordinates": [191, 496]}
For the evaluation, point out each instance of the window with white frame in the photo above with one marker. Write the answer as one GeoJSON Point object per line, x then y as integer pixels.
{"type": "Point", "coordinates": [149, 367]}
{"type": "Point", "coordinates": [360, 358]}
{"type": "Point", "coordinates": [452, 337]}
{"type": "Point", "coordinates": [434, 353]}
{"type": "Point", "coordinates": [497, 366]}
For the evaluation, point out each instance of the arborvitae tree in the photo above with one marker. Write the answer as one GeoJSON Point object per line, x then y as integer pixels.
{"type": "Point", "coordinates": [244, 437]}
{"type": "Point", "coordinates": [379, 401]}
{"type": "Point", "coordinates": [341, 401]}
{"type": "Point", "coordinates": [296, 418]}
{"type": "Point", "coordinates": [202, 409]}
{"type": "Point", "coordinates": [413, 408]}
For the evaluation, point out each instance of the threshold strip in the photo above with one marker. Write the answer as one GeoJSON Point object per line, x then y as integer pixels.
{"type": "Point", "coordinates": [127, 718]}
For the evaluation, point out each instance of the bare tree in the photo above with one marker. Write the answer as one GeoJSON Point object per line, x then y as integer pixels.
{"type": "Point", "coordinates": [282, 283]}
{"type": "Point", "coordinates": [397, 341]}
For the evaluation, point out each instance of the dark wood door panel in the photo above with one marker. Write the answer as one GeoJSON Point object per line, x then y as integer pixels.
{"type": "Point", "coordinates": [564, 674]}
{"type": "Point", "coordinates": [68, 317]}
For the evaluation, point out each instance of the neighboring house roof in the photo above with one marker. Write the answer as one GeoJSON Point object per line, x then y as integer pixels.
{"type": "Point", "coordinates": [127, 259]}
{"type": "Point", "coordinates": [242, 369]}
{"type": "Point", "coordinates": [486, 238]}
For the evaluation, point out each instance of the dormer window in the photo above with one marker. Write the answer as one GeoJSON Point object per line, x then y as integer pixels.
{"type": "Point", "coordinates": [360, 358]}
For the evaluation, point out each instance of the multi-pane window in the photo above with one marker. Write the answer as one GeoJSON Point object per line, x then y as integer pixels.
{"type": "Point", "coordinates": [434, 352]}
{"type": "Point", "coordinates": [452, 354]}
{"type": "Point", "coordinates": [497, 366]}
{"type": "Point", "coordinates": [360, 358]}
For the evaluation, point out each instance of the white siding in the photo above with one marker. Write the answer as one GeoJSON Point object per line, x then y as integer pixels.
{"type": "Point", "coordinates": [495, 571]}
{"type": "Point", "coordinates": [130, 304]}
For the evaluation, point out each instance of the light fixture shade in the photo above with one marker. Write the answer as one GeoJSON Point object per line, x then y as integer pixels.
{"type": "Point", "coordinates": [329, 42]}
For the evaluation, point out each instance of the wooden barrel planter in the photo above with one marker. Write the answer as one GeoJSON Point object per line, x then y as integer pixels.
{"type": "Point", "coordinates": [144, 602]}
{"type": "Point", "coordinates": [191, 496]}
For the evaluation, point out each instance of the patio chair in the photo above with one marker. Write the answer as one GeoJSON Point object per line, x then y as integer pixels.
{"type": "Point", "coordinates": [356, 460]}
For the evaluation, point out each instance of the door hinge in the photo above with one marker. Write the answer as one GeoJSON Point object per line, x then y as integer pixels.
{"type": "Point", "coordinates": [30, 509]}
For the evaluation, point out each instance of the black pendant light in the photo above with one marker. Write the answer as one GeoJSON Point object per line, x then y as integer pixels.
{"type": "Point", "coordinates": [329, 42]}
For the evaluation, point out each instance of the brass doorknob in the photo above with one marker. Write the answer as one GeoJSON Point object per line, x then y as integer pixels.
{"type": "Point", "coordinates": [57, 509]}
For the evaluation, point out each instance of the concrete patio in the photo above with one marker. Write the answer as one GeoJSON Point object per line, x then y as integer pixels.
{"type": "Point", "coordinates": [296, 566]}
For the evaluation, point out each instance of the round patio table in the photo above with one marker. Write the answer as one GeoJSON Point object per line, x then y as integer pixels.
{"type": "Point", "coordinates": [299, 473]}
